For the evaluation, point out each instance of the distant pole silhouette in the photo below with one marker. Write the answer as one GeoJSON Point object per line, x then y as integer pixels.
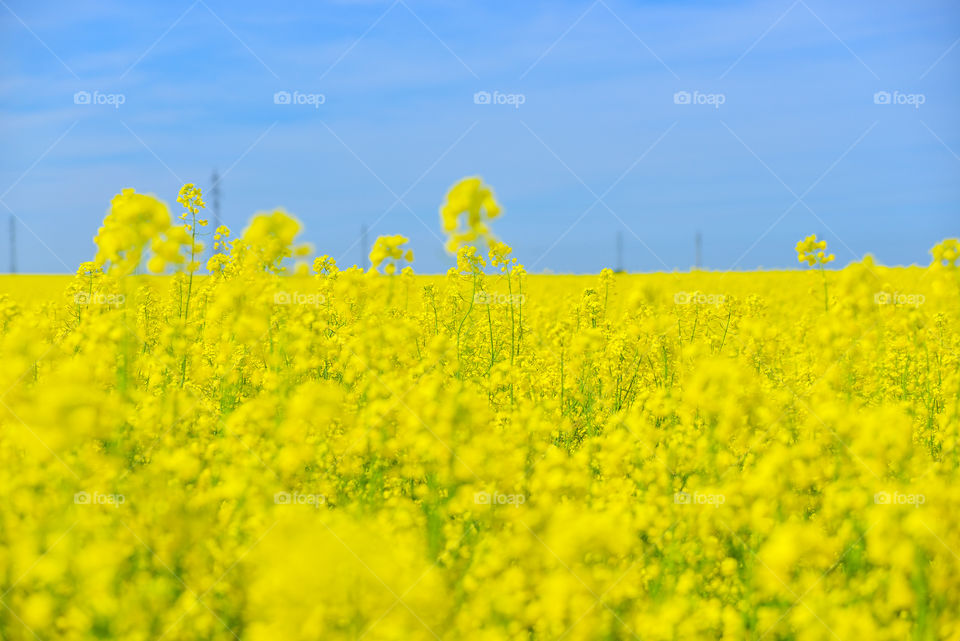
{"type": "Point", "coordinates": [215, 195]}
{"type": "Point", "coordinates": [699, 242]}
{"type": "Point", "coordinates": [215, 192]}
{"type": "Point", "coordinates": [363, 246]}
{"type": "Point", "coordinates": [13, 245]}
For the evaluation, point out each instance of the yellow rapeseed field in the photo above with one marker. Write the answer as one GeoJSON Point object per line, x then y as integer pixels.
{"type": "Point", "coordinates": [269, 452]}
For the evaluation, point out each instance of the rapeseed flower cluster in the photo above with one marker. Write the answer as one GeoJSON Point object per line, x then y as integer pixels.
{"type": "Point", "coordinates": [947, 253]}
{"type": "Point", "coordinates": [390, 249]}
{"type": "Point", "coordinates": [465, 215]}
{"type": "Point", "coordinates": [261, 454]}
{"type": "Point", "coordinates": [813, 252]}
{"type": "Point", "coordinates": [134, 220]}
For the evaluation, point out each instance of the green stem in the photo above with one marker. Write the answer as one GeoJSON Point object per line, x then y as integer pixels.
{"type": "Point", "coordinates": [465, 316]}
{"type": "Point", "coordinates": [520, 319]}
{"type": "Point", "coordinates": [826, 299]}
{"type": "Point", "coordinates": [490, 325]}
{"type": "Point", "coordinates": [193, 244]}
{"type": "Point", "coordinates": [561, 380]}
{"type": "Point", "coordinates": [725, 328]}
{"type": "Point", "coordinates": [512, 330]}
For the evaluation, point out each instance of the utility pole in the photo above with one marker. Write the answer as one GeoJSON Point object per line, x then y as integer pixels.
{"type": "Point", "coordinates": [215, 192]}
{"type": "Point", "coordinates": [215, 195]}
{"type": "Point", "coordinates": [699, 243]}
{"type": "Point", "coordinates": [619, 269]}
{"type": "Point", "coordinates": [364, 254]}
{"type": "Point", "coordinates": [13, 244]}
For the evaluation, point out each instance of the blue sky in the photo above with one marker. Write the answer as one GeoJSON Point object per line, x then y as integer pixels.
{"type": "Point", "coordinates": [783, 134]}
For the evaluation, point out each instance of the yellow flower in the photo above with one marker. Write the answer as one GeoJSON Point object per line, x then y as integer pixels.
{"type": "Point", "coordinates": [389, 248]}
{"type": "Point", "coordinates": [134, 220]}
{"type": "Point", "coordinates": [464, 214]}
{"type": "Point", "coordinates": [191, 198]}
{"type": "Point", "coordinates": [812, 251]}
{"type": "Point", "coordinates": [946, 253]}
{"type": "Point", "coordinates": [472, 456]}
